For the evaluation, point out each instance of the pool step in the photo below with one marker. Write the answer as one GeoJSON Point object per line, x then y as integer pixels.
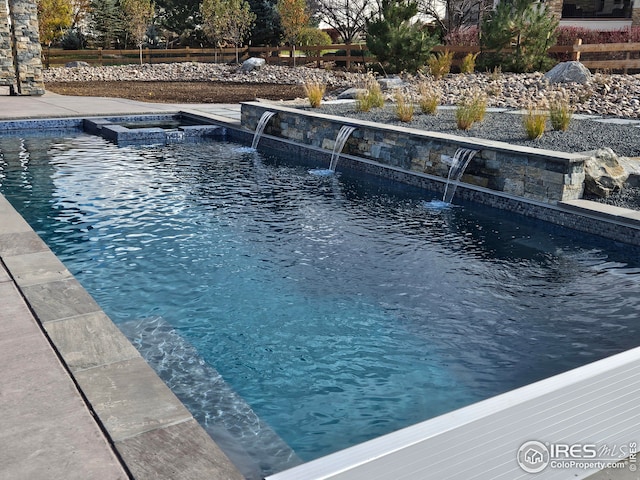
{"type": "Point", "coordinates": [250, 443]}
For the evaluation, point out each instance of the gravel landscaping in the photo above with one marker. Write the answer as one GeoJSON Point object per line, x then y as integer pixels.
{"type": "Point", "coordinates": [610, 95]}
{"type": "Point", "coordinates": [582, 135]}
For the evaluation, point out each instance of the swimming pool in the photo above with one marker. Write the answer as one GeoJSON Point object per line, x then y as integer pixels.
{"type": "Point", "coordinates": [333, 309]}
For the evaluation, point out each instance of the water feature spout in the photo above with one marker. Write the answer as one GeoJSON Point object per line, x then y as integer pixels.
{"type": "Point", "coordinates": [341, 139]}
{"type": "Point", "coordinates": [461, 159]}
{"type": "Point", "coordinates": [266, 116]}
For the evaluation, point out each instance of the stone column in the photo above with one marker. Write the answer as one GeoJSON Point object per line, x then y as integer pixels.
{"type": "Point", "coordinates": [26, 46]}
{"type": "Point", "coordinates": [555, 6]}
{"type": "Point", "coordinates": [7, 69]}
{"type": "Point", "coordinates": [635, 13]}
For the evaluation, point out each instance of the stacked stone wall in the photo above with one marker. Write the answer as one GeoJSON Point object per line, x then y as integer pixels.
{"type": "Point", "coordinates": [635, 14]}
{"type": "Point", "coordinates": [524, 172]}
{"type": "Point", "coordinates": [20, 51]}
{"type": "Point", "coordinates": [27, 50]}
{"type": "Point", "coordinates": [7, 69]}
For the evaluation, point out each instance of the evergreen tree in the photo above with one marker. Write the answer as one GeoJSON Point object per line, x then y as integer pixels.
{"type": "Point", "coordinates": [398, 42]}
{"type": "Point", "coordinates": [181, 18]}
{"type": "Point", "coordinates": [107, 23]}
{"type": "Point", "coordinates": [267, 29]}
{"type": "Point", "coordinates": [519, 32]}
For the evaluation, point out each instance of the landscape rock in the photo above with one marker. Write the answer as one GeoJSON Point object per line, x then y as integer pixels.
{"type": "Point", "coordinates": [391, 83]}
{"type": "Point", "coordinates": [76, 64]}
{"type": "Point", "coordinates": [251, 64]}
{"type": "Point", "coordinates": [604, 174]}
{"type": "Point", "coordinates": [569, 72]}
{"type": "Point", "coordinates": [352, 93]}
{"type": "Point", "coordinates": [632, 167]}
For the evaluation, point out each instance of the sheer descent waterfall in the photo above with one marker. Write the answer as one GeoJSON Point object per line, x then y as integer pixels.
{"type": "Point", "coordinates": [460, 161]}
{"type": "Point", "coordinates": [266, 116]}
{"type": "Point", "coordinates": [341, 139]}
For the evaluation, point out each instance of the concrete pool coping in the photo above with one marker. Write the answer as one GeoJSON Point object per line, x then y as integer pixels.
{"type": "Point", "coordinates": [78, 400]}
{"type": "Point", "coordinates": [102, 376]}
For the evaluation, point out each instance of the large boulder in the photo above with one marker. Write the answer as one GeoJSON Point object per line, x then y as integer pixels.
{"type": "Point", "coordinates": [604, 173]}
{"type": "Point", "coordinates": [251, 64]}
{"type": "Point", "coordinates": [568, 72]}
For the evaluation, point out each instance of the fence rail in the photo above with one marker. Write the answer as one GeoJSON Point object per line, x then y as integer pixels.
{"type": "Point", "coordinates": [55, 57]}
{"type": "Point", "coordinates": [607, 56]}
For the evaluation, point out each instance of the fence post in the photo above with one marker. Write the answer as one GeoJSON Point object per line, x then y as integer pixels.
{"type": "Point", "coordinates": [628, 57]}
{"type": "Point", "coordinates": [575, 55]}
{"type": "Point", "coordinates": [348, 52]}
{"type": "Point", "coordinates": [187, 54]}
{"type": "Point", "coordinates": [100, 56]}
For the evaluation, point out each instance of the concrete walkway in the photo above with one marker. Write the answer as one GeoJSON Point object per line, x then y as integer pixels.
{"type": "Point", "coordinates": [76, 399]}
{"type": "Point", "coordinates": [52, 105]}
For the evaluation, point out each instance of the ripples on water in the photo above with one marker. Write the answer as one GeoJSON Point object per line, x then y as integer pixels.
{"type": "Point", "coordinates": [339, 308]}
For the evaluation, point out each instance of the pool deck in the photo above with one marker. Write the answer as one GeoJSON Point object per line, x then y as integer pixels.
{"type": "Point", "coordinates": [76, 399]}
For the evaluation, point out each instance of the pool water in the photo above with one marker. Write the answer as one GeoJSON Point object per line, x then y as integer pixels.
{"type": "Point", "coordinates": [317, 311]}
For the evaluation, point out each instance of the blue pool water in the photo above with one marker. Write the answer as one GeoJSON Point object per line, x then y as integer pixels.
{"type": "Point", "coordinates": [293, 310]}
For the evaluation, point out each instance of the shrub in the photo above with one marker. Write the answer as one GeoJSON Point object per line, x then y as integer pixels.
{"type": "Point", "coordinates": [535, 121]}
{"type": "Point", "coordinates": [560, 113]}
{"type": "Point", "coordinates": [429, 98]}
{"type": "Point", "coordinates": [399, 42]}
{"type": "Point", "coordinates": [440, 63]}
{"type": "Point", "coordinates": [519, 34]}
{"type": "Point", "coordinates": [404, 107]}
{"type": "Point", "coordinates": [568, 35]}
{"type": "Point", "coordinates": [465, 36]}
{"type": "Point", "coordinates": [314, 92]}
{"type": "Point", "coordinates": [468, 64]}
{"type": "Point", "coordinates": [471, 109]}
{"type": "Point", "coordinates": [310, 36]}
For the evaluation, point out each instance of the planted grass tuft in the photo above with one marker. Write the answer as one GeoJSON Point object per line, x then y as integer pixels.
{"type": "Point", "coordinates": [535, 121]}
{"type": "Point", "coordinates": [429, 98]}
{"type": "Point", "coordinates": [404, 107]}
{"type": "Point", "coordinates": [471, 109]}
{"type": "Point", "coordinates": [314, 92]}
{"type": "Point", "coordinates": [560, 112]}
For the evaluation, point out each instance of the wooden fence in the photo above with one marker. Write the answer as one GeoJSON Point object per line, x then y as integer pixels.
{"type": "Point", "coordinates": [607, 56]}
{"type": "Point", "coordinates": [56, 57]}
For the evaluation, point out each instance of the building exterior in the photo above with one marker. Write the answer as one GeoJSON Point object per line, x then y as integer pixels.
{"type": "Point", "coordinates": [597, 14]}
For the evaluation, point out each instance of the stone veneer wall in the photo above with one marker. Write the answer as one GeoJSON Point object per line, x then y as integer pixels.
{"type": "Point", "coordinates": [635, 13]}
{"type": "Point", "coordinates": [540, 175]}
{"type": "Point", "coordinates": [20, 51]}
{"type": "Point", "coordinates": [7, 69]}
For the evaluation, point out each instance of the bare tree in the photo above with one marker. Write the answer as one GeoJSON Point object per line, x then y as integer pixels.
{"type": "Point", "coordinates": [347, 17]}
{"type": "Point", "coordinates": [138, 16]}
{"type": "Point", "coordinates": [451, 15]}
